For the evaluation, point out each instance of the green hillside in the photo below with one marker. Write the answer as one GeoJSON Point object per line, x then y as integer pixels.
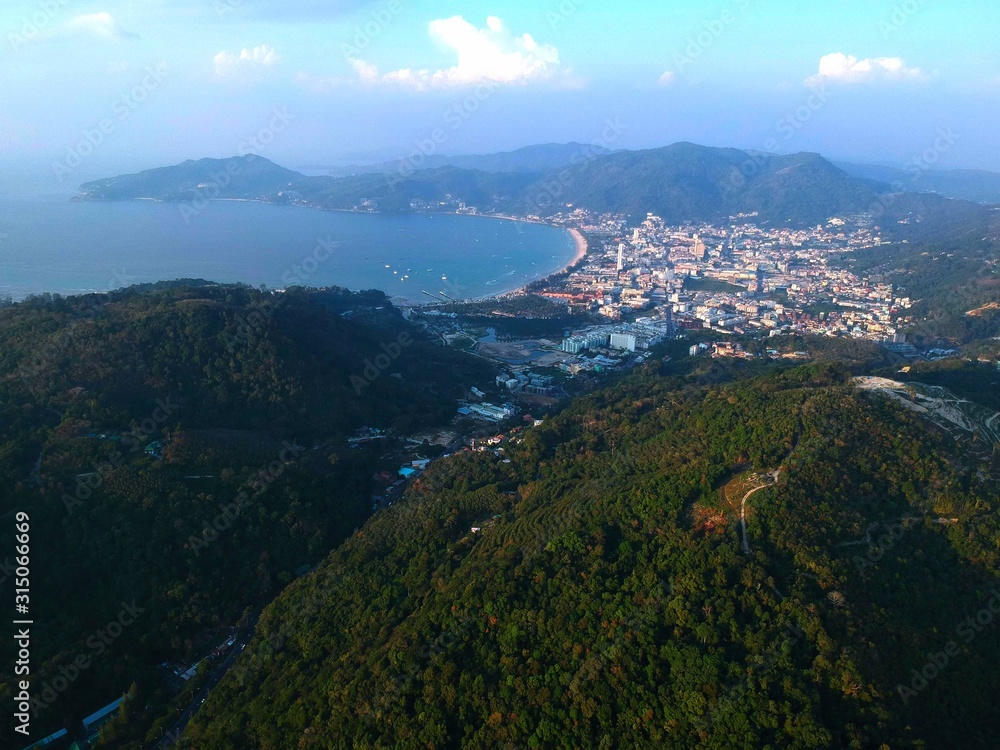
{"type": "Point", "coordinates": [605, 600]}
{"type": "Point", "coordinates": [183, 450]}
{"type": "Point", "coordinates": [685, 182]}
{"type": "Point", "coordinates": [247, 177]}
{"type": "Point", "coordinates": [944, 256]}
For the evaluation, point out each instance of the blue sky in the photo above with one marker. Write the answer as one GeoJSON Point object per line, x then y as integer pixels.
{"type": "Point", "coordinates": [102, 86]}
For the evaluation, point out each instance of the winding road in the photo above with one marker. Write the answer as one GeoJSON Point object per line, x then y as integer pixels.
{"type": "Point", "coordinates": [743, 507]}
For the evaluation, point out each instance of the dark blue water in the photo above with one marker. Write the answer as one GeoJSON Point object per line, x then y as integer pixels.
{"type": "Point", "coordinates": [72, 248]}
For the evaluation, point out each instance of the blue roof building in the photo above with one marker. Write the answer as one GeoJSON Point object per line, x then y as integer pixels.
{"type": "Point", "coordinates": [99, 718]}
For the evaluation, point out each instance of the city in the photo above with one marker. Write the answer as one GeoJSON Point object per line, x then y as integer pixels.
{"type": "Point", "coordinates": [645, 284]}
{"type": "Point", "coordinates": [738, 279]}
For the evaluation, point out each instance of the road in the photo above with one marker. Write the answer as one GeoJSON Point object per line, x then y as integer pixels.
{"type": "Point", "coordinates": [743, 508]}
{"type": "Point", "coordinates": [175, 732]}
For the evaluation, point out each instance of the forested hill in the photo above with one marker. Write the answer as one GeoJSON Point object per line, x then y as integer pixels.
{"type": "Point", "coordinates": [182, 452]}
{"type": "Point", "coordinates": [688, 182]}
{"type": "Point", "coordinates": [246, 177]}
{"type": "Point", "coordinates": [682, 182]}
{"type": "Point", "coordinates": [594, 591]}
{"type": "Point", "coordinates": [232, 356]}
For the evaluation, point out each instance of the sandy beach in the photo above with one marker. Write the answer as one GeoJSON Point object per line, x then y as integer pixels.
{"type": "Point", "coordinates": [581, 246]}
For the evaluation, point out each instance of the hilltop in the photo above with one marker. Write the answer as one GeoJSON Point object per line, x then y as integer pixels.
{"type": "Point", "coordinates": [245, 177]}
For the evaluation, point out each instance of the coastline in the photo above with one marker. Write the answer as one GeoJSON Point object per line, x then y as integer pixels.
{"type": "Point", "coordinates": [582, 246]}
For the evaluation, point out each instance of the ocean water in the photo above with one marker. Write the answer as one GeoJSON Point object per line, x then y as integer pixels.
{"type": "Point", "coordinates": [54, 245]}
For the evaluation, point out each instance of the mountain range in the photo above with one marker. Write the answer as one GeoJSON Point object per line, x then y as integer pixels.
{"type": "Point", "coordinates": [528, 159]}
{"type": "Point", "coordinates": [975, 185]}
{"type": "Point", "coordinates": [681, 182]}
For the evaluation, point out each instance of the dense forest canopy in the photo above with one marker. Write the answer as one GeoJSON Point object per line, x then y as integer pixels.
{"type": "Point", "coordinates": [183, 453]}
{"type": "Point", "coordinates": [605, 600]}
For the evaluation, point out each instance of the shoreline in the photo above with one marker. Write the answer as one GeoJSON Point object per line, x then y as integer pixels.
{"type": "Point", "coordinates": [582, 246]}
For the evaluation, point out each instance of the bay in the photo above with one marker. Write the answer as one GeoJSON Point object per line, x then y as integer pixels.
{"type": "Point", "coordinates": [70, 248]}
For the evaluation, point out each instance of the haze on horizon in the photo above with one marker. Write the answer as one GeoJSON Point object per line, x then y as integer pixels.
{"type": "Point", "coordinates": [107, 86]}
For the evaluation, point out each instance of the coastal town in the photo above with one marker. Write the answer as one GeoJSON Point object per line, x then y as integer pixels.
{"type": "Point", "coordinates": [632, 287]}
{"type": "Point", "coordinates": [736, 279]}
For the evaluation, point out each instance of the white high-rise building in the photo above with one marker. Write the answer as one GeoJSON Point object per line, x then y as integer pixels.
{"type": "Point", "coordinates": [627, 341]}
{"type": "Point", "coordinates": [699, 248]}
{"type": "Point", "coordinates": [621, 257]}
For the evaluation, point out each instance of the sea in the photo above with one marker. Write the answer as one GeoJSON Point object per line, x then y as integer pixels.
{"type": "Point", "coordinates": [60, 246]}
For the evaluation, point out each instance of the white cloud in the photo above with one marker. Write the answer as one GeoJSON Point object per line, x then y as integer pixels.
{"type": "Point", "coordinates": [364, 73]}
{"type": "Point", "coordinates": [667, 79]}
{"type": "Point", "coordinates": [841, 68]}
{"type": "Point", "coordinates": [102, 25]}
{"type": "Point", "coordinates": [228, 64]}
{"type": "Point", "coordinates": [367, 73]}
{"type": "Point", "coordinates": [485, 55]}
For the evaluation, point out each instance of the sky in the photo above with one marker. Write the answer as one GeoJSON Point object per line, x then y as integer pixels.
{"type": "Point", "coordinates": [93, 88]}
